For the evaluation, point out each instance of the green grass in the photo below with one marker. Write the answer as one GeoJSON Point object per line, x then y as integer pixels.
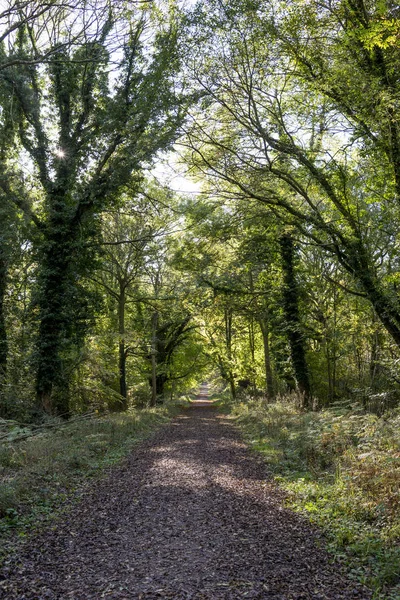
{"type": "Point", "coordinates": [39, 473]}
{"type": "Point", "coordinates": [342, 469]}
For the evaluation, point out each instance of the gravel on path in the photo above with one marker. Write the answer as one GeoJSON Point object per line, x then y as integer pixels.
{"type": "Point", "coordinates": [192, 514]}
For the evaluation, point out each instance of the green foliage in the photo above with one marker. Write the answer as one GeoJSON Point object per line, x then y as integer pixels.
{"type": "Point", "coordinates": [304, 138]}
{"type": "Point", "coordinates": [383, 33]}
{"type": "Point", "coordinates": [102, 269]}
{"type": "Point", "coordinates": [87, 135]}
{"type": "Point", "coordinates": [340, 467]}
{"type": "Point", "coordinates": [147, 304]}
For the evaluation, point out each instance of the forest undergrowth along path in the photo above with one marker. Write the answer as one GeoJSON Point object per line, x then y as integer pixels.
{"type": "Point", "coordinates": [192, 514]}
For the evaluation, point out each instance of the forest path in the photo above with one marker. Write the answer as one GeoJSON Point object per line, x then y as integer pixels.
{"type": "Point", "coordinates": [190, 514]}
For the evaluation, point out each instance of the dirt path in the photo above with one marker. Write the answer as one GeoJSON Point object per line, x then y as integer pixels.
{"type": "Point", "coordinates": [189, 515]}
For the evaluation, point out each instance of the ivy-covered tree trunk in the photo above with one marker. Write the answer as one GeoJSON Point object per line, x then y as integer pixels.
{"type": "Point", "coordinates": [161, 380]}
{"type": "Point", "coordinates": [65, 307]}
{"type": "Point", "coordinates": [292, 317]}
{"type": "Point", "coordinates": [56, 317]}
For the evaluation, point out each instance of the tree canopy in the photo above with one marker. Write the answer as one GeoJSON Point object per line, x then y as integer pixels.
{"type": "Point", "coordinates": [280, 275]}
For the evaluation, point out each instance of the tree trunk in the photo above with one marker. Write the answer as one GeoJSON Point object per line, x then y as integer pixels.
{"type": "Point", "coordinates": [154, 324]}
{"type": "Point", "coordinates": [63, 309]}
{"type": "Point", "coordinates": [334, 353]}
{"type": "Point", "coordinates": [376, 347]}
{"type": "Point", "coordinates": [267, 358]}
{"type": "Point", "coordinates": [329, 371]}
{"type": "Point", "coordinates": [252, 343]}
{"type": "Point", "coordinates": [54, 327]}
{"type": "Point", "coordinates": [122, 353]}
{"type": "Point", "coordinates": [292, 316]}
{"type": "Point", "coordinates": [252, 340]}
{"type": "Point", "coordinates": [232, 386]}
{"type": "Point", "coordinates": [3, 334]}
{"type": "Point", "coordinates": [3, 331]}
{"type": "Point", "coordinates": [228, 342]}
{"type": "Point", "coordinates": [161, 380]}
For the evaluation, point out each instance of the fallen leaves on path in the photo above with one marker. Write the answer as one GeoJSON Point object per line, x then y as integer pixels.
{"type": "Point", "coordinates": [190, 515]}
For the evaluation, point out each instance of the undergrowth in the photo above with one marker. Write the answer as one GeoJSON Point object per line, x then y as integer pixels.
{"type": "Point", "coordinates": [39, 473]}
{"type": "Point", "coordinates": [342, 468]}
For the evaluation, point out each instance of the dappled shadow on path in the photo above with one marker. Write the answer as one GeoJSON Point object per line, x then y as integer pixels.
{"type": "Point", "coordinates": [191, 514]}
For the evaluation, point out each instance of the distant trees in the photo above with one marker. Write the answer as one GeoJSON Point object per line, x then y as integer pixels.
{"type": "Point", "coordinates": [145, 340]}
{"type": "Point", "coordinates": [231, 258]}
{"type": "Point", "coordinates": [125, 236]}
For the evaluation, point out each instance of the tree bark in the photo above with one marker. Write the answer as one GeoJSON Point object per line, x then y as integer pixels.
{"type": "Point", "coordinates": [228, 341]}
{"type": "Point", "coordinates": [3, 333]}
{"type": "Point", "coordinates": [292, 316]}
{"type": "Point", "coordinates": [252, 343]}
{"type": "Point", "coordinates": [154, 325]}
{"type": "Point", "coordinates": [267, 358]}
{"type": "Point", "coordinates": [122, 354]}
{"type": "Point", "coordinates": [54, 325]}
{"type": "Point", "coordinates": [3, 330]}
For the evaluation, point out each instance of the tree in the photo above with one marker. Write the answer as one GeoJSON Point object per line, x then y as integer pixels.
{"type": "Point", "coordinates": [85, 135]}
{"type": "Point", "coordinates": [270, 137]}
{"type": "Point", "coordinates": [233, 259]}
{"type": "Point", "coordinates": [125, 234]}
{"type": "Point", "coordinates": [292, 317]}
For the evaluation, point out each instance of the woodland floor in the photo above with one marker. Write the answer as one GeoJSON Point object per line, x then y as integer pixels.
{"type": "Point", "coordinates": [191, 514]}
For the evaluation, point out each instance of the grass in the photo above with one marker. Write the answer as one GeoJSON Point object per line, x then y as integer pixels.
{"type": "Point", "coordinates": [39, 473]}
{"type": "Point", "coordinates": [341, 467]}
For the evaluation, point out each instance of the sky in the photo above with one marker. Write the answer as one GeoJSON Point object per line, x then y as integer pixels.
{"type": "Point", "coordinates": [168, 171]}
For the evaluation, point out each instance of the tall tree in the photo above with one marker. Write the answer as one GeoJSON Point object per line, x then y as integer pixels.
{"type": "Point", "coordinates": [86, 133]}
{"type": "Point", "coordinates": [292, 317]}
{"type": "Point", "coordinates": [271, 137]}
{"type": "Point", "coordinates": [125, 234]}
